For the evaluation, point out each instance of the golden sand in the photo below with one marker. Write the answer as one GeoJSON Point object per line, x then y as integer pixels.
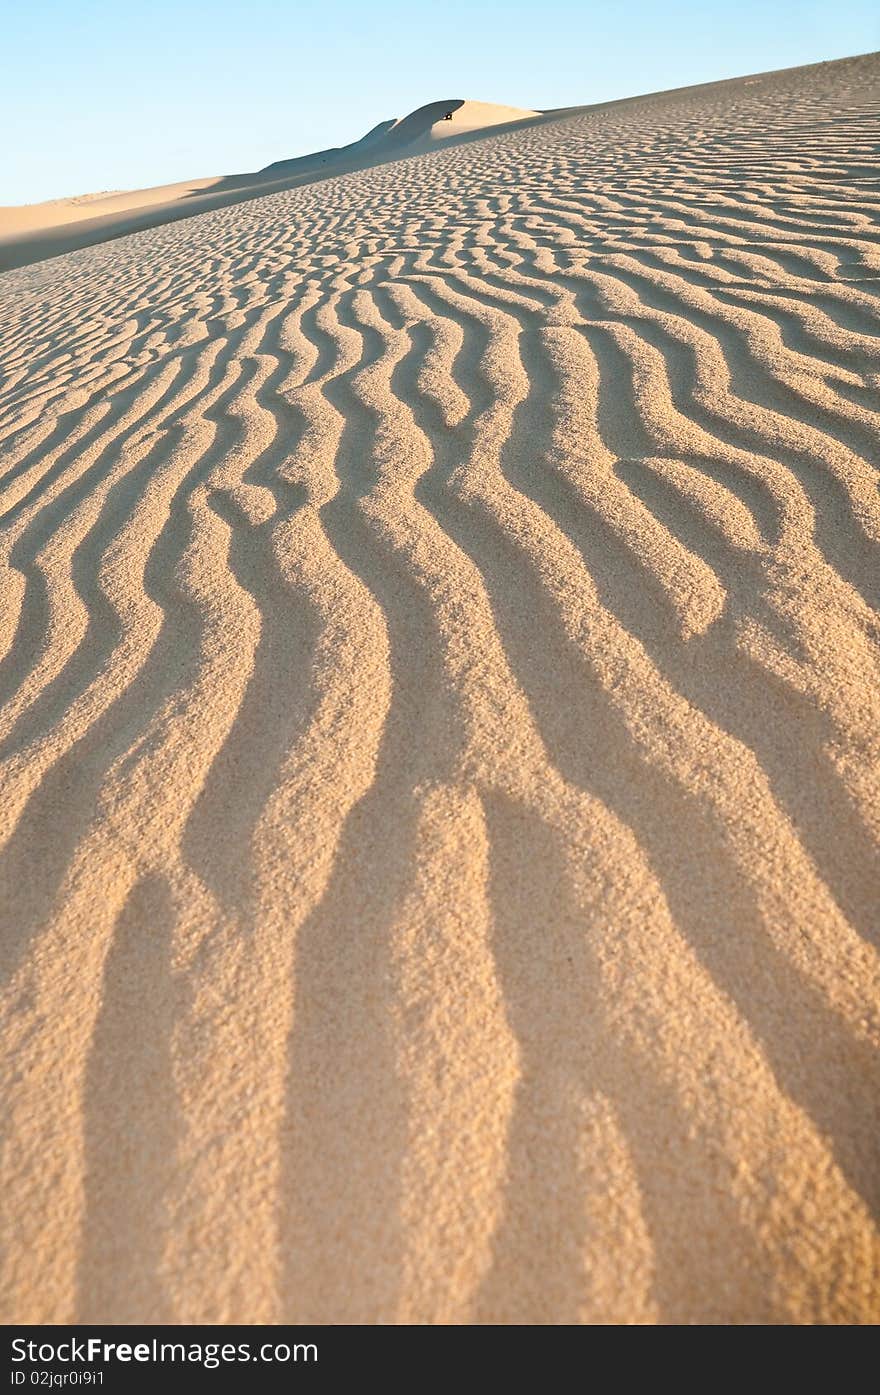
{"type": "Point", "coordinates": [439, 742]}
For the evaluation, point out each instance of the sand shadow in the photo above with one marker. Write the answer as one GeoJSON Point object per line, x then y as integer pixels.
{"type": "Point", "coordinates": [131, 1119]}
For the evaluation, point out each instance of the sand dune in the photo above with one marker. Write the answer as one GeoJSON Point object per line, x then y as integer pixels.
{"type": "Point", "coordinates": [439, 741]}
{"type": "Point", "coordinates": [33, 232]}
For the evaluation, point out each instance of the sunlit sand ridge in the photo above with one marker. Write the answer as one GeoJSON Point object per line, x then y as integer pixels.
{"type": "Point", "coordinates": [439, 742]}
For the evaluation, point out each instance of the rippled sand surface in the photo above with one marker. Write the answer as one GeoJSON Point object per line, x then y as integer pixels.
{"type": "Point", "coordinates": [439, 736]}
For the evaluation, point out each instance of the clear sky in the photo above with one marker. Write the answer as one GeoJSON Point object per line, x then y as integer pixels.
{"type": "Point", "coordinates": [110, 94]}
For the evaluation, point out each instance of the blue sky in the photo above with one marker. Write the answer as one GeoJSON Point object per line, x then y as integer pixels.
{"type": "Point", "coordinates": [102, 94]}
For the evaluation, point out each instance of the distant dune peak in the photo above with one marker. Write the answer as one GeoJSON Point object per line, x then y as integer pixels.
{"type": "Point", "coordinates": [422, 129]}
{"type": "Point", "coordinates": [453, 117]}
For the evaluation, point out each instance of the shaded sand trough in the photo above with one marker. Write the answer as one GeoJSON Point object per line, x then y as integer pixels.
{"type": "Point", "coordinates": [439, 735]}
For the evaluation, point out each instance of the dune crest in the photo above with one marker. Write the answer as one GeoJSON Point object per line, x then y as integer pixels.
{"type": "Point", "coordinates": [439, 122]}
{"type": "Point", "coordinates": [440, 735]}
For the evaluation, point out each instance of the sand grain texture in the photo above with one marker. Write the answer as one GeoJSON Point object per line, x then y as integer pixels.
{"type": "Point", "coordinates": [439, 735]}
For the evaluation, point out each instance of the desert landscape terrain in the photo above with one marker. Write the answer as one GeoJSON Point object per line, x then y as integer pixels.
{"type": "Point", "coordinates": [32, 232]}
{"type": "Point", "coordinates": [440, 683]}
